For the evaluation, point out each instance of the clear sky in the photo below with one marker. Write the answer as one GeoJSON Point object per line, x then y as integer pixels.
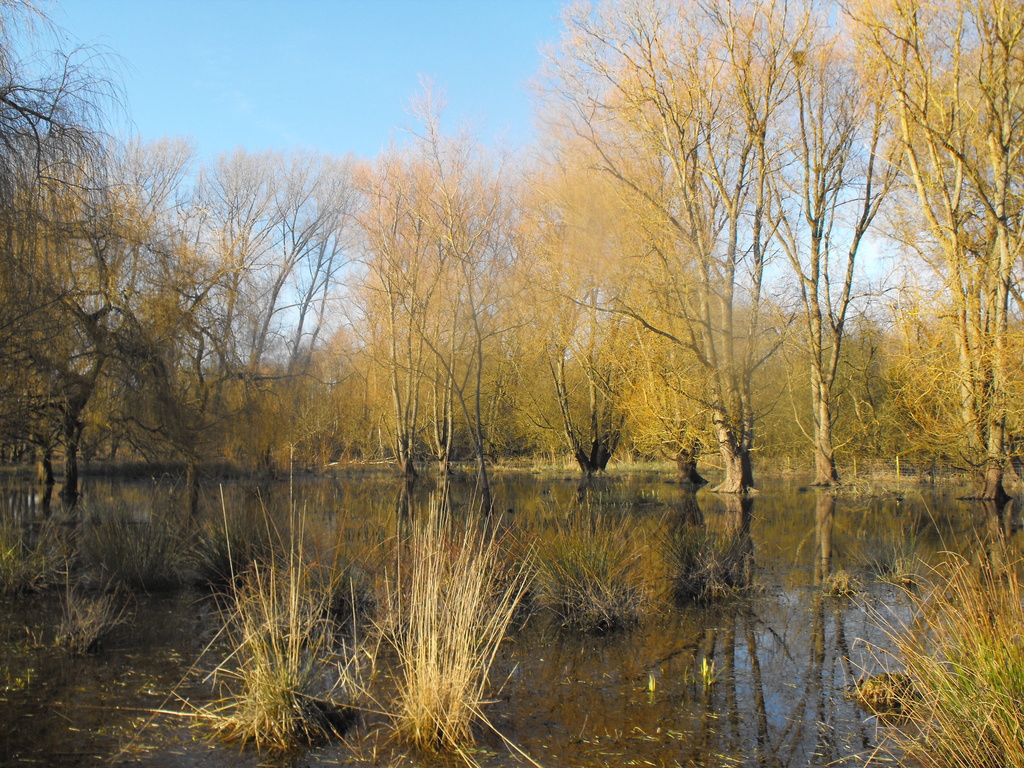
{"type": "Point", "coordinates": [336, 75]}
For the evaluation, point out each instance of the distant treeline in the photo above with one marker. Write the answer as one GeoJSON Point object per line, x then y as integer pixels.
{"type": "Point", "coordinates": [752, 233]}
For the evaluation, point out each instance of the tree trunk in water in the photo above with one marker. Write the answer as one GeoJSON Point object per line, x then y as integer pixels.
{"type": "Point", "coordinates": [44, 466]}
{"type": "Point", "coordinates": [69, 492]}
{"type": "Point", "coordinates": [407, 467]}
{"type": "Point", "coordinates": [825, 472]}
{"type": "Point", "coordinates": [192, 487]}
{"type": "Point", "coordinates": [739, 476]}
{"type": "Point", "coordinates": [824, 523]}
{"type": "Point", "coordinates": [686, 463]}
{"type": "Point", "coordinates": [994, 490]}
{"type": "Point", "coordinates": [598, 458]}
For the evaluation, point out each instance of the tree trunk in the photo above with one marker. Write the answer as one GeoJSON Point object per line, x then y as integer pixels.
{"type": "Point", "coordinates": [739, 475]}
{"type": "Point", "coordinates": [192, 486]}
{"type": "Point", "coordinates": [994, 490]}
{"type": "Point", "coordinates": [407, 467]}
{"type": "Point", "coordinates": [69, 491]}
{"type": "Point", "coordinates": [686, 463]}
{"type": "Point", "coordinates": [825, 510]}
{"type": "Point", "coordinates": [44, 466]}
{"type": "Point", "coordinates": [825, 472]}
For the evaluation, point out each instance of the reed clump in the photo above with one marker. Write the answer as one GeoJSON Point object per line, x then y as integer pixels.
{"type": "Point", "coordinates": [290, 677]}
{"type": "Point", "coordinates": [449, 601]}
{"type": "Point", "coordinates": [593, 576]}
{"type": "Point", "coordinates": [140, 553]}
{"type": "Point", "coordinates": [964, 661]}
{"type": "Point", "coordinates": [706, 565]}
{"type": "Point", "coordinates": [31, 558]}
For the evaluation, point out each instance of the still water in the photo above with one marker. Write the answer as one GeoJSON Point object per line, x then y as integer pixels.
{"type": "Point", "coordinates": [761, 680]}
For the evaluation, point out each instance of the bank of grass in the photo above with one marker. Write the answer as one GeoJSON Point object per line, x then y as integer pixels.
{"type": "Point", "coordinates": [449, 600]}
{"type": "Point", "coordinates": [592, 573]}
{"type": "Point", "coordinates": [963, 657]}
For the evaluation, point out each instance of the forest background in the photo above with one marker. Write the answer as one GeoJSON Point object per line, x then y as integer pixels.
{"type": "Point", "coordinates": [751, 234]}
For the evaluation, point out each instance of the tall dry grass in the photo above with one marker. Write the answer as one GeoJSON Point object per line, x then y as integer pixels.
{"type": "Point", "coordinates": [964, 658]}
{"type": "Point", "coordinates": [450, 599]}
{"type": "Point", "coordinates": [291, 676]}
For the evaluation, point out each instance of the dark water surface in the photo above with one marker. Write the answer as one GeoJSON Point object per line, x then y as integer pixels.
{"type": "Point", "coordinates": [780, 662]}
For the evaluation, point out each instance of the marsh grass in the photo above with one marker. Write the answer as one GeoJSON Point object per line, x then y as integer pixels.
{"type": "Point", "coordinates": [706, 565]}
{"type": "Point", "coordinates": [226, 549]}
{"type": "Point", "coordinates": [31, 558]}
{"type": "Point", "coordinates": [88, 618]}
{"type": "Point", "coordinates": [896, 559]}
{"type": "Point", "coordinates": [592, 574]}
{"type": "Point", "coordinates": [141, 553]}
{"type": "Point", "coordinates": [290, 678]}
{"type": "Point", "coordinates": [963, 657]}
{"type": "Point", "coordinates": [450, 599]}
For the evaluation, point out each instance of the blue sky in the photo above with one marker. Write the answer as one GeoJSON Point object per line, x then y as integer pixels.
{"type": "Point", "coordinates": [336, 75]}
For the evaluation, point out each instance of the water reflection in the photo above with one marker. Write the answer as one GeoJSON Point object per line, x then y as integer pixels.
{"type": "Point", "coordinates": [759, 680]}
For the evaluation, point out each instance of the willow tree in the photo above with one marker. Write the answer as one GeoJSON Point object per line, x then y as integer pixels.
{"type": "Point", "coordinates": [676, 102]}
{"type": "Point", "coordinates": [574, 230]}
{"type": "Point", "coordinates": [956, 68]}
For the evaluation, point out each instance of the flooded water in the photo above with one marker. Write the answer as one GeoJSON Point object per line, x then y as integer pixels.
{"type": "Point", "coordinates": [759, 680]}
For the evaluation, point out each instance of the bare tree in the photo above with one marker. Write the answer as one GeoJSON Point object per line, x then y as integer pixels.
{"type": "Point", "coordinates": [956, 68]}
{"type": "Point", "coordinates": [828, 197]}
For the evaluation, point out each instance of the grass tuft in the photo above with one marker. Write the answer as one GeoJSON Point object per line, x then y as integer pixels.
{"type": "Point", "coordinates": [841, 583]}
{"type": "Point", "coordinates": [140, 554]}
{"type": "Point", "coordinates": [226, 550]}
{"type": "Point", "coordinates": [449, 603]}
{"type": "Point", "coordinates": [88, 619]}
{"type": "Point", "coordinates": [290, 678]}
{"type": "Point", "coordinates": [897, 559]}
{"type": "Point", "coordinates": [592, 575]}
{"type": "Point", "coordinates": [706, 565]}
